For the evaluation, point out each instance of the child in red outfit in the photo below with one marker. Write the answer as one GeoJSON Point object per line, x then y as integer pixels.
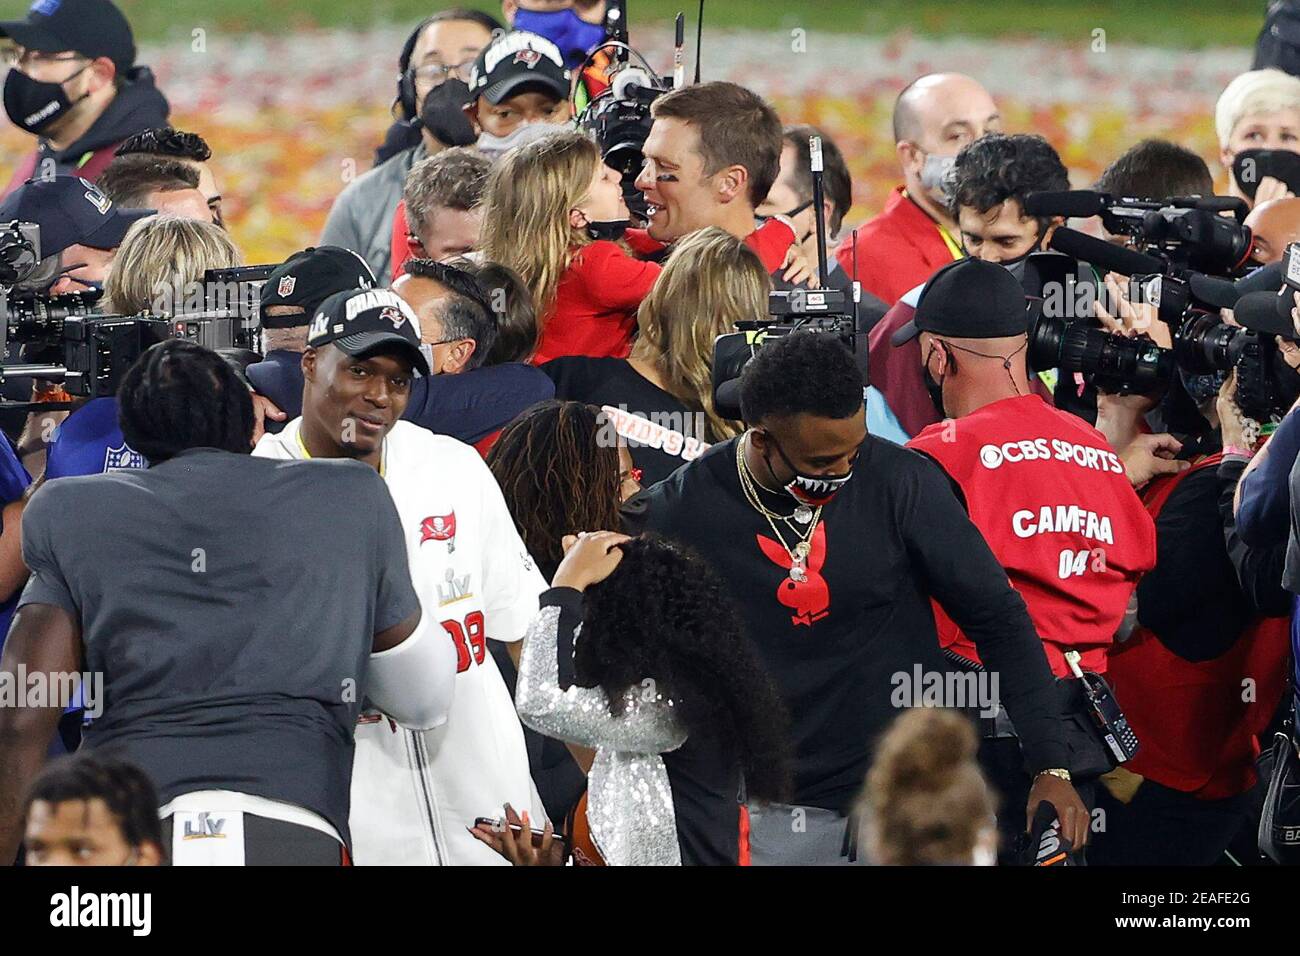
{"type": "Point", "coordinates": [555, 214]}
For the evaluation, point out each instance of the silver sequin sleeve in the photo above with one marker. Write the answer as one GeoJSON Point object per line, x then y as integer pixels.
{"type": "Point", "coordinates": [581, 715]}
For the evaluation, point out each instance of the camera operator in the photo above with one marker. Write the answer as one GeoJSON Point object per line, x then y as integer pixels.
{"type": "Point", "coordinates": [434, 67]}
{"type": "Point", "coordinates": [1209, 626]}
{"type": "Point", "coordinates": [987, 186]}
{"type": "Point", "coordinates": [1259, 109]}
{"type": "Point", "coordinates": [838, 597]}
{"type": "Point", "coordinates": [440, 216]}
{"type": "Point", "coordinates": [1275, 224]}
{"type": "Point", "coordinates": [792, 196]}
{"type": "Point", "coordinates": [164, 142]}
{"type": "Point", "coordinates": [261, 739]}
{"type": "Point", "coordinates": [74, 85]}
{"type": "Point", "coordinates": [1017, 462]}
{"type": "Point", "coordinates": [168, 186]}
{"type": "Point", "coordinates": [935, 117]}
{"type": "Point", "coordinates": [80, 231]}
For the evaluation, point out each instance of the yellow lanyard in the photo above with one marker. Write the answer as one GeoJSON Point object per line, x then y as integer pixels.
{"type": "Point", "coordinates": [383, 452]}
{"type": "Point", "coordinates": [954, 247]}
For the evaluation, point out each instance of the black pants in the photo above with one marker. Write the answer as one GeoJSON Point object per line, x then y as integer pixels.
{"type": "Point", "coordinates": [1004, 766]}
{"type": "Point", "coordinates": [277, 843]}
{"type": "Point", "coordinates": [1165, 827]}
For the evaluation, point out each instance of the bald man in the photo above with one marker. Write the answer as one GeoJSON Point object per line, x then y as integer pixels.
{"type": "Point", "coordinates": [1276, 224]}
{"type": "Point", "coordinates": [934, 117]}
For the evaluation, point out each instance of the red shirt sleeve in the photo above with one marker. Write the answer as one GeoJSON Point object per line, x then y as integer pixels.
{"type": "Point", "coordinates": [401, 245]}
{"type": "Point", "coordinates": [771, 241]}
{"type": "Point", "coordinates": [614, 281]}
{"type": "Point", "coordinates": [641, 243]}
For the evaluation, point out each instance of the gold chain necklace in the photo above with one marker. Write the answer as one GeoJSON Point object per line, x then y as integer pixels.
{"type": "Point", "coordinates": [799, 553]}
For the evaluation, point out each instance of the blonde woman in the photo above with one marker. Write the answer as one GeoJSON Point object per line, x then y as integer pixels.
{"type": "Point", "coordinates": [1259, 109]}
{"type": "Point", "coordinates": [160, 264]}
{"type": "Point", "coordinates": [660, 399]}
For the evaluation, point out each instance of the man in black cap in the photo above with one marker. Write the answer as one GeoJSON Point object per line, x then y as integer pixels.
{"type": "Point", "coordinates": [835, 574]}
{"type": "Point", "coordinates": [415, 795]}
{"type": "Point", "coordinates": [290, 297]}
{"type": "Point", "coordinates": [1049, 494]}
{"type": "Point", "coordinates": [81, 229]}
{"type": "Point", "coordinates": [520, 92]}
{"type": "Point", "coordinates": [73, 84]}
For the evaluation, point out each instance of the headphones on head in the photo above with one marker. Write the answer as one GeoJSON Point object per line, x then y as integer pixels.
{"type": "Point", "coordinates": [405, 101]}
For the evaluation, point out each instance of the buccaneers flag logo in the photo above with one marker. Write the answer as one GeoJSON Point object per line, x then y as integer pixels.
{"type": "Point", "coordinates": [439, 528]}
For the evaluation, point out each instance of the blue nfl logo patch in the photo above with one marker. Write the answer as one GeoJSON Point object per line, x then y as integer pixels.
{"type": "Point", "coordinates": [122, 458]}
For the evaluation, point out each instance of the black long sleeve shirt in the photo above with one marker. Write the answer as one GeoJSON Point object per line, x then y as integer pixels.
{"type": "Point", "coordinates": [894, 537]}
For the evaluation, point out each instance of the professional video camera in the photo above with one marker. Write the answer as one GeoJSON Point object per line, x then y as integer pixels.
{"type": "Point", "coordinates": [618, 96]}
{"type": "Point", "coordinates": [63, 338]}
{"type": "Point", "coordinates": [1186, 233]}
{"type": "Point", "coordinates": [797, 310]}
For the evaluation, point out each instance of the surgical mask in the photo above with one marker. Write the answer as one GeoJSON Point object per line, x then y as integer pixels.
{"type": "Point", "coordinates": [442, 113]}
{"type": "Point", "coordinates": [812, 490]}
{"type": "Point", "coordinates": [935, 390]}
{"type": "Point", "coordinates": [426, 349]}
{"type": "Point", "coordinates": [34, 105]}
{"type": "Point", "coordinates": [573, 35]}
{"type": "Point", "coordinates": [936, 173]}
{"type": "Point", "coordinates": [495, 146]}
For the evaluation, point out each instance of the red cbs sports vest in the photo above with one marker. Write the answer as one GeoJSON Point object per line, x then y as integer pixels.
{"type": "Point", "coordinates": [1198, 721]}
{"type": "Point", "coordinates": [1054, 504]}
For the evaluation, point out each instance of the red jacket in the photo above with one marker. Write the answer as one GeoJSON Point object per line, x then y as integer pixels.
{"type": "Point", "coordinates": [598, 296]}
{"type": "Point", "coordinates": [1197, 729]}
{"type": "Point", "coordinates": [897, 250]}
{"type": "Point", "coordinates": [1051, 498]}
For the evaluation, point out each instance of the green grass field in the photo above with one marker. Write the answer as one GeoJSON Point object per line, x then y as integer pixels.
{"type": "Point", "coordinates": [1169, 23]}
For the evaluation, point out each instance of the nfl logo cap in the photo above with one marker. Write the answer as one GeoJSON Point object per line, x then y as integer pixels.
{"type": "Point", "coordinates": [71, 211]}
{"type": "Point", "coordinates": [368, 322]}
{"type": "Point", "coordinates": [308, 278]}
{"type": "Point", "coordinates": [517, 62]}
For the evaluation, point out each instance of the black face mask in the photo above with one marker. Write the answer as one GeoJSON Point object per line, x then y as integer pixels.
{"type": "Point", "coordinates": [611, 230]}
{"type": "Point", "coordinates": [934, 388]}
{"type": "Point", "coordinates": [442, 114]}
{"type": "Point", "coordinates": [33, 105]}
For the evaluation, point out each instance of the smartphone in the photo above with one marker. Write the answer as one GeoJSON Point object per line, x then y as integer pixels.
{"type": "Point", "coordinates": [517, 829]}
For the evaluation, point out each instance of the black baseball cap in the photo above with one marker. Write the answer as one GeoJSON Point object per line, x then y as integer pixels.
{"type": "Point", "coordinates": [1268, 312]}
{"type": "Point", "coordinates": [364, 322]}
{"type": "Point", "coordinates": [515, 62]}
{"type": "Point", "coordinates": [71, 211]}
{"type": "Point", "coordinates": [93, 28]}
{"type": "Point", "coordinates": [308, 278]}
{"type": "Point", "coordinates": [969, 299]}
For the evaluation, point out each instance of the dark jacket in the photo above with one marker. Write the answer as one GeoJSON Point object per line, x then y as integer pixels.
{"type": "Point", "coordinates": [138, 106]}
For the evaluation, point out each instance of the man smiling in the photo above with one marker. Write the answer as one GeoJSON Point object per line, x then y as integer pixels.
{"type": "Point", "coordinates": [416, 794]}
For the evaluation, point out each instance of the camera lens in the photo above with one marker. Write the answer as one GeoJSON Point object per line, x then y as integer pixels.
{"type": "Point", "coordinates": [1204, 345]}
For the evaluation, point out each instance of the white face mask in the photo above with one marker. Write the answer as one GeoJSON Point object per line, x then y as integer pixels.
{"type": "Point", "coordinates": [427, 352]}
{"type": "Point", "coordinates": [494, 146]}
{"type": "Point", "coordinates": [935, 175]}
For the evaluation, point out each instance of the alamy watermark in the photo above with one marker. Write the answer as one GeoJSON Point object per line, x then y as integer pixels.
{"type": "Point", "coordinates": [960, 690]}
{"type": "Point", "coordinates": [40, 689]}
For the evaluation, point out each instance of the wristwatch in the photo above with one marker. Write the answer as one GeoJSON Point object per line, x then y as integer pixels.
{"type": "Point", "coordinates": [1055, 772]}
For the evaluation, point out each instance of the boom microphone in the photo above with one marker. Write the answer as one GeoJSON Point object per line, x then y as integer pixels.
{"type": "Point", "coordinates": [1080, 203]}
{"type": "Point", "coordinates": [1104, 254]}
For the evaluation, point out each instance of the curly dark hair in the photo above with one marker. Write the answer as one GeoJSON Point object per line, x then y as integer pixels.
{"type": "Point", "coordinates": [800, 373]}
{"type": "Point", "coordinates": [166, 141]}
{"type": "Point", "coordinates": [664, 614]}
{"type": "Point", "coordinates": [997, 167]}
{"type": "Point", "coordinates": [558, 476]}
{"type": "Point", "coordinates": [180, 395]}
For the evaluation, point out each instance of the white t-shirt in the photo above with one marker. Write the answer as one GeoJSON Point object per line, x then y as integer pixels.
{"type": "Point", "coordinates": [414, 794]}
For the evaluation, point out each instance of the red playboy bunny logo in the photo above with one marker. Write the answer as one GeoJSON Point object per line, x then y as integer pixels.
{"type": "Point", "coordinates": [810, 599]}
